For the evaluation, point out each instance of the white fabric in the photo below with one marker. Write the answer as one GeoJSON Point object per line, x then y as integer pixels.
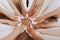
{"type": "Point", "coordinates": [55, 5]}
{"type": "Point", "coordinates": [49, 34]}
{"type": "Point", "coordinates": [55, 23]}
{"type": "Point", "coordinates": [24, 3]}
{"type": "Point", "coordinates": [45, 34]}
{"type": "Point", "coordinates": [29, 6]}
{"type": "Point", "coordinates": [6, 6]}
{"type": "Point", "coordinates": [51, 4]}
{"type": "Point", "coordinates": [5, 30]}
{"type": "Point", "coordinates": [30, 3]}
{"type": "Point", "coordinates": [45, 4]}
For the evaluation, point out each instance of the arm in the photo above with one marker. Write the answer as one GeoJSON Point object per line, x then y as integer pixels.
{"type": "Point", "coordinates": [15, 33]}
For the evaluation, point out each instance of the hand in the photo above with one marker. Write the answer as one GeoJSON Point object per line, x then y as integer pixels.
{"type": "Point", "coordinates": [15, 33]}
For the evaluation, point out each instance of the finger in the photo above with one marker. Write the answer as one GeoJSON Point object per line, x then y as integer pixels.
{"type": "Point", "coordinates": [14, 8]}
{"type": "Point", "coordinates": [30, 12]}
{"type": "Point", "coordinates": [15, 33]}
{"type": "Point", "coordinates": [32, 32]}
{"type": "Point", "coordinates": [8, 14]}
{"type": "Point", "coordinates": [5, 21]}
{"type": "Point", "coordinates": [55, 12]}
{"type": "Point", "coordinates": [42, 26]}
{"type": "Point", "coordinates": [23, 10]}
{"type": "Point", "coordinates": [37, 9]}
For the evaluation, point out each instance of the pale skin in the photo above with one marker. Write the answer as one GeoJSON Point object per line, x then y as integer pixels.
{"type": "Point", "coordinates": [4, 21]}
{"type": "Point", "coordinates": [37, 8]}
{"type": "Point", "coordinates": [14, 23]}
{"type": "Point", "coordinates": [32, 8]}
{"type": "Point", "coordinates": [19, 29]}
{"type": "Point", "coordinates": [7, 14]}
{"type": "Point", "coordinates": [44, 26]}
{"type": "Point", "coordinates": [17, 13]}
{"type": "Point", "coordinates": [32, 32]}
{"type": "Point", "coordinates": [15, 33]}
{"type": "Point", "coordinates": [23, 8]}
{"type": "Point", "coordinates": [53, 13]}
